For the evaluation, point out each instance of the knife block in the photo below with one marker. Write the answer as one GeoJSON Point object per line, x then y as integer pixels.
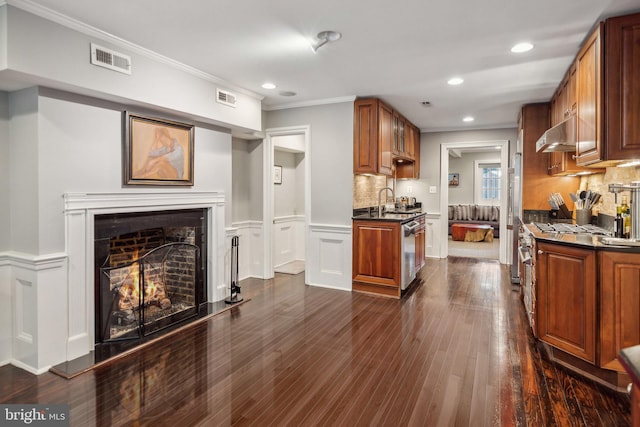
{"type": "Point", "coordinates": [560, 213]}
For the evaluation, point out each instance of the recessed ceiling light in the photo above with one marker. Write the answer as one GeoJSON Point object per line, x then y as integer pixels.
{"type": "Point", "coordinates": [522, 47]}
{"type": "Point", "coordinates": [468, 119]}
{"type": "Point", "coordinates": [268, 86]}
{"type": "Point", "coordinates": [455, 81]}
{"type": "Point", "coordinates": [287, 93]}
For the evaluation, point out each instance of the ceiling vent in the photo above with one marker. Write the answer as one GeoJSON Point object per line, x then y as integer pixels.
{"type": "Point", "coordinates": [226, 98]}
{"type": "Point", "coordinates": [110, 59]}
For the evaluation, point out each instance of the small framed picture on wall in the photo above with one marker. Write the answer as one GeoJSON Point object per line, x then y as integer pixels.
{"type": "Point", "coordinates": [277, 174]}
{"type": "Point", "coordinates": [454, 179]}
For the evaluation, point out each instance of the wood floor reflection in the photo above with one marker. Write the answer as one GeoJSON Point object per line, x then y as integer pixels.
{"type": "Point", "coordinates": [454, 351]}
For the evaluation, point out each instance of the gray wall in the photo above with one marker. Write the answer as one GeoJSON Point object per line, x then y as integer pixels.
{"type": "Point", "coordinates": [288, 197]}
{"type": "Point", "coordinates": [52, 55]}
{"type": "Point", "coordinates": [4, 171]}
{"type": "Point", "coordinates": [60, 146]}
{"type": "Point", "coordinates": [331, 157]}
{"type": "Point", "coordinates": [430, 161]}
{"type": "Point", "coordinates": [247, 180]}
{"type": "Point", "coordinates": [465, 166]}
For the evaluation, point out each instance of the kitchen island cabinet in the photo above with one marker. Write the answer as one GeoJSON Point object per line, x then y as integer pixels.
{"type": "Point", "coordinates": [619, 302]}
{"type": "Point", "coordinates": [376, 257]}
{"type": "Point", "coordinates": [378, 252]}
{"type": "Point", "coordinates": [566, 300]}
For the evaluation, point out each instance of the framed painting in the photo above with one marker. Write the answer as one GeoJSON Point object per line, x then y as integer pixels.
{"type": "Point", "coordinates": [454, 179]}
{"type": "Point", "coordinates": [157, 151]}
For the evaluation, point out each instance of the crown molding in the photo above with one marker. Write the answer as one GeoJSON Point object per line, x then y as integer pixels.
{"type": "Point", "coordinates": [311, 103]}
{"type": "Point", "coordinates": [88, 30]}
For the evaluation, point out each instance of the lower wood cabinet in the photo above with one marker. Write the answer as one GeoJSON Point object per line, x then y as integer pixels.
{"type": "Point", "coordinates": [566, 299]}
{"type": "Point", "coordinates": [619, 302]}
{"type": "Point", "coordinates": [376, 257]}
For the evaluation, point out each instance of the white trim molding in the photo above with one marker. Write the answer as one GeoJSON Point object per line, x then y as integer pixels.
{"type": "Point", "coordinates": [329, 260]}
{"type": "Point", "coordinates": [80, 210]}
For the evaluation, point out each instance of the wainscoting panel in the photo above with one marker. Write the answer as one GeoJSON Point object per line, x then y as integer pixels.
{"type": "Point", "coordinates": [250, 258]}
{"type": "Point", "coordinates": [39, 310]}
{"type": "Point", "coordinates": [329, 262]}
{"type": "Point", "coordinates": [6, 311]}
{"type": "Point", "coordinates": [288, 235]}
{"type": "Point", "coordinates": [432, 241]}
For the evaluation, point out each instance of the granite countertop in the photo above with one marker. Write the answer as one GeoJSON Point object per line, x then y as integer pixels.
{"type": "Point", "coordinates": [630, 359]}
{"type": "Point", "coordinates": [586, 240]}
{"type": "Point", "coordinates": [389, 216]}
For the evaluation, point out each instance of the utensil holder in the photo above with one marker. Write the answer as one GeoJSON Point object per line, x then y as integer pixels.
{"type": "Point", "coordinates": [583, 216]}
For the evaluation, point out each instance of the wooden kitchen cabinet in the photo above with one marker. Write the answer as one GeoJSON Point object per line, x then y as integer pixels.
{"type": "Point", "coordinates": [411, 168]}
{"type": "Point", "coordinates": [376, 257]}
{"type": "Point", "coordinates": [566, 299]}
{"type": "Point", "coordinates": [619, 302]}
{"type": "Point", "coordinates": [589, 99]}
{"type": "Point", "coordinates": [373, 137]}
{"type": "Point", "coordinates": [622, 91]}
{"type": "Point", "coordinates": [399, 146]}
{"type": "Point", "coordinates": [608, 93]}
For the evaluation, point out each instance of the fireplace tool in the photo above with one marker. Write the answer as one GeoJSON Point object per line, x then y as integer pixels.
{"type": "Point", "coordinates": [234, 294]}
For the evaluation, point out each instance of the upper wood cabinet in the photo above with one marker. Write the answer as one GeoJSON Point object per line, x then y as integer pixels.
{"type": "Point", "coordinates": [622, 92]}
{"type": "Point", "coordinates": [384, 141]}
{"type": "Point", "coordinates": [589, 100]}
{"type": "Point", "coordinates": [410, 169]}
{"type": "Point", "coordinates": [373, 137]}
{"type": "Point", "coordinates": [608, 93]}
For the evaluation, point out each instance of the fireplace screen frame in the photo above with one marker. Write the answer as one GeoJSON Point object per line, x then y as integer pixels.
{"type": "Point", "coordinates": [154, 263]}
{"type": "Point", "coordinates": [109, 226]}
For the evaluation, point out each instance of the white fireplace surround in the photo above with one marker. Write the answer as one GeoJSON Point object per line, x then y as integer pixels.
{"type": "Point", "coordinates": [80, 210]}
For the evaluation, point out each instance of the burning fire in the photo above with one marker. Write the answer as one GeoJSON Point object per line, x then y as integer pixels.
{"type": "Point", "coordinates": [154, 293]}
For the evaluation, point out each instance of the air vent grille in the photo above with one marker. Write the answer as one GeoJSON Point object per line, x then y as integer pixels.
{"type": "Point", "coordinates": [226, 98]}
{"type": "Point", "coordinates": [107, 58]}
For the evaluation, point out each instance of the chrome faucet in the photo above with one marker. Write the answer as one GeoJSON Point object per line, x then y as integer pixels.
{"type": "Point", "coordinates": [634, 189]}
{"type": "Point", "coordinates": [380, 206]}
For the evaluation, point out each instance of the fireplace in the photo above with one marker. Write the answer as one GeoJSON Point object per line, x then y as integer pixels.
{"type": "Point", "coordinates": [149, 272]}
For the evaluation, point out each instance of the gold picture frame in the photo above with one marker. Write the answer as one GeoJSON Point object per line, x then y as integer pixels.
{"type": "Point", "coordinates": [157, 151]}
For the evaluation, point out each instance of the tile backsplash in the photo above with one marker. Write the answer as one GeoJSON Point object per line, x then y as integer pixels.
{"type": "Point", "coordinates": [366, 188]}
{"type": "Point", "coordinates": [600, 183]}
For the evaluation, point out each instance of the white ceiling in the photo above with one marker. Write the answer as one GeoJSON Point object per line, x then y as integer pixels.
{"type": "Point", "coordinates": [403, 52]}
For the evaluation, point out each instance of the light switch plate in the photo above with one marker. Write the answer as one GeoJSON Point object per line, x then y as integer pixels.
{"type": "Point", "coordinates": [433, 189]}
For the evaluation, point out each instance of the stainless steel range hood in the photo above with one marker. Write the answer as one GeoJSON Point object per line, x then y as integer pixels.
{"type": "Point", "coordinates": [561, 137]}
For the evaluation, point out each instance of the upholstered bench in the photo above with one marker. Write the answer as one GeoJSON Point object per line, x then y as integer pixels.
{"type": "Point", "coordinates": [472, 232]}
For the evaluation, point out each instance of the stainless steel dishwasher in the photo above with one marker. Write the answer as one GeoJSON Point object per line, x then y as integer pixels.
{"type": "Point", "coordinates": [408, 250]}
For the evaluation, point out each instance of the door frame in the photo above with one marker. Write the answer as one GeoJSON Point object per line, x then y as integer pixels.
{"type": "Point", "coordinates": [505, 235]}
{"type": "Point", "coordinates": [268, 194]}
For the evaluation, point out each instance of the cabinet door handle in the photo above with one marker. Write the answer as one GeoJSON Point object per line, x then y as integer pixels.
{"type": "Point", "coordinates": [540, 252]}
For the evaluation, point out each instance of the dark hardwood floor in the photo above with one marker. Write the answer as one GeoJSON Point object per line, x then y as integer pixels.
{"type": "Point", "coordinates": [455, 351]}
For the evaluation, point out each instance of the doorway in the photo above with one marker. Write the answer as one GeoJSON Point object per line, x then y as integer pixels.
{"type": "Point", "coordinates": [500, 151]}
{"type": "Point", "coordinates": [286, 200]}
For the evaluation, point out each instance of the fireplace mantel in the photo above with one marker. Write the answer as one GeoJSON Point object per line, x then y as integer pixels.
{"type": "Point", "coordinates": [80, 210]}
